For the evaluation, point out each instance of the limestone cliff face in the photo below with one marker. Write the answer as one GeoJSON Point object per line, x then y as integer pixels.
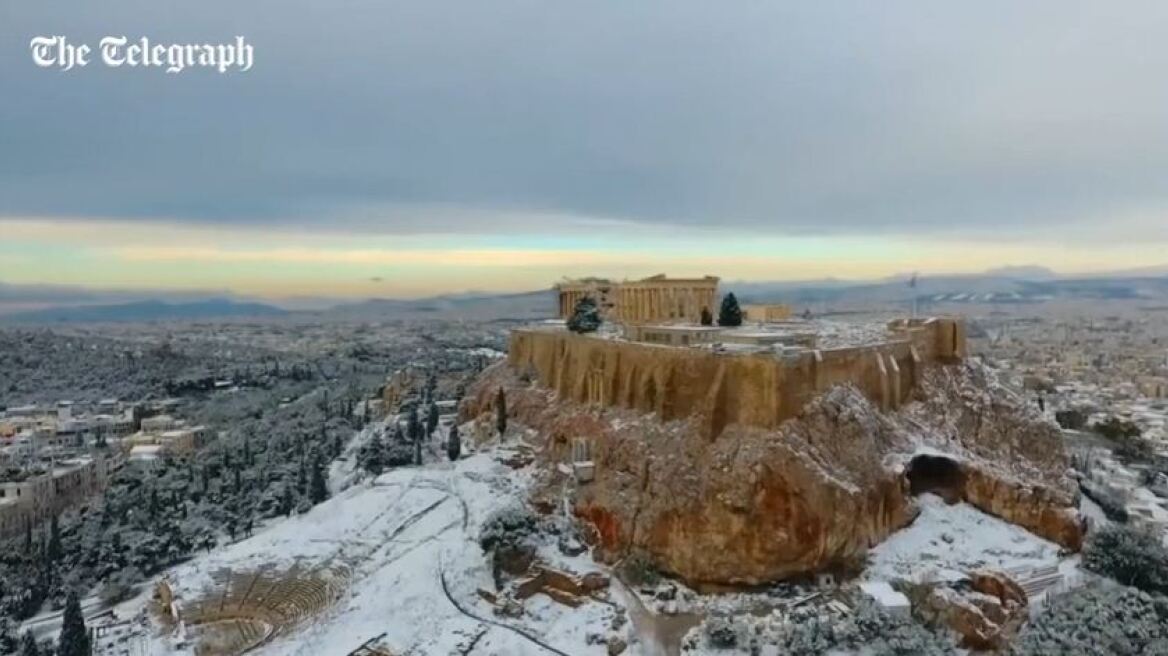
{"type": "Point", "coordinates": [760, 503]}
{"type": "Point", "coordinates": [1013, 463]}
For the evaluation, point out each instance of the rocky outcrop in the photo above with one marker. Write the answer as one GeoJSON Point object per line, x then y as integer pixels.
{"type": "Point", "coordinates": [1041, 510]}
{"type": "Point", "coordinates": [757, 503]}
{"type": "Point", "coordinates": [986, 611]}
{"type": "Point", "coordinates": [564, 587]}
{"type": "Point", "coordinates": [1012, 461]}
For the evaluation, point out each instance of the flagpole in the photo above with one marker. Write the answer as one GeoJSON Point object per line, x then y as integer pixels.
{"type": "Point", "coordinates": [912, 285]}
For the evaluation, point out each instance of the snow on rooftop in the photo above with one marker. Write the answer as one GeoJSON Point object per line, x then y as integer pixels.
{"type": "Point", "coordinates": [829, 334]}
{"type": "Point", "coordinates": [945, 542]}
{"type": "Point", "coordinates": [146, 451]}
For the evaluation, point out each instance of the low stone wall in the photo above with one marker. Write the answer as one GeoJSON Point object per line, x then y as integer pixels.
{"type": "Point", "coordinates": [759, 390]}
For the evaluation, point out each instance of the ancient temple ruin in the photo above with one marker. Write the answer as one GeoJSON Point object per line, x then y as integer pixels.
{"type": "Point", "coordinates": [656, 298]}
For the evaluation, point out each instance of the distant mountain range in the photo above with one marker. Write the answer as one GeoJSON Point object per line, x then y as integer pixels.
{"type": "Point", "coordinates": [142, 311]}
{"type": "Point", "coordinates": [1001, 286]}
{"type": "Point", "coordinates": [481, 306]}
{"type": "Point", "coordinates": [1007, 285]}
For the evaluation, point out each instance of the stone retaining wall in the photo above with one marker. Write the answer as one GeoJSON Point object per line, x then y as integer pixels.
{"type": "Point", "coordinates": [759, 389]}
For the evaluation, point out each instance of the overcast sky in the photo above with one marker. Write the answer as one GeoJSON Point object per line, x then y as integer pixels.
{"type": "Point", "coordinates": [381, 147]}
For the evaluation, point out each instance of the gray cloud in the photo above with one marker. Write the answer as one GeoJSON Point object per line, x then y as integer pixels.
{"type": "Point", "coordinates": [808, 118]}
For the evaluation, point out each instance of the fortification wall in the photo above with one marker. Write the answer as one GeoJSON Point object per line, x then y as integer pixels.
{"type": "Point", "coordinates": [750, 389]}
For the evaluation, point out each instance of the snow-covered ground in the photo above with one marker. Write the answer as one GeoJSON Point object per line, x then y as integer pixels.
{"type": "Point", "coordinates": [407, 544]}
{"type": "Point", "coordinates": [401, 535]}
{"type": "Point", "coordinates": [947, 541]}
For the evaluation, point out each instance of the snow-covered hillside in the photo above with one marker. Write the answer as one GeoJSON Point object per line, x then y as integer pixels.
{"type": "Point", "coordinates": [401, 537]}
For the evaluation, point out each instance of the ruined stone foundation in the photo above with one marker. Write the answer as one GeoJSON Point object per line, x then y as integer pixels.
{"type": "Point", "coordinates": [752, 504]}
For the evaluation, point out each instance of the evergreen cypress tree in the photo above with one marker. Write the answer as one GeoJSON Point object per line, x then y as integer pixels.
{"type": "Point", "coordinates": [317, 489]}
{"type": "Point", "coordinates": [54, 548]}
{"type": "Point", "coordinates": [373, 456]}
{"type": "Point", "coordinates": [585, 316]}
{"type": "Point", "coordinates": [413, 427]}
{"type": "Point", "coordinates": [730, 314]}
{"type": "Point", "coordinates": [9, 643]}
{"type": "Point", "coordinates": [74, 639]}
{"type": "Point", "coordinates": [287, 500]}
{"type": "Point", "coordinates": [432, 419]}
{"type": "Point", "coordinates": [302, 478]}
{"type": "Point", "coordinates": [29, 646]}
{"type": "Point", "coordinates": [453, 443]}
{"type": "Point", "coordinates": [501, 412]}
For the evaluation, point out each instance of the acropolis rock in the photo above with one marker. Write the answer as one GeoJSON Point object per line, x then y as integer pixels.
{"type": "Point", "coordinates": [727, 468]}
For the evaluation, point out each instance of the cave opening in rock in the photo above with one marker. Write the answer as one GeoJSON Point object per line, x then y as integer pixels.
{"type": "Point", "coordinates": [936, 474]}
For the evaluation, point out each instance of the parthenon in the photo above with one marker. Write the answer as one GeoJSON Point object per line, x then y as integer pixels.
{"type": "Point", "coordinates": [655, 298]}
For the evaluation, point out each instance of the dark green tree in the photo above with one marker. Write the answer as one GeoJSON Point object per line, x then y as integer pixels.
{"type": "Point", "coordinates": [1071, 419]}
{"type": "Point", "coordinates": [287, 500]}
{"type": "Point", "coordinates": [453, 443]}
{"type": "Point", "coordinates": [585, 316]}
{"type": "Point", "coordinates": [9, 643]}
{"type": "Point", "coordinates": [501, 412]}
{"type": "Point", "coordinates": [74, 639]}
{"type": "Point", "coordinates": [54, 549]}
{"type": "Point", "coordinates": [432, 419]}
{"type": "Point", "coordinates": [302, 478]}
{"type": "Point", "coordinates": [730, 314]}
{"type": "Point", "coordinates": [372, 458]}
{"type": "Point", "coordinates": [29, 646]}
{"type": "Point", "coordinates": [413, 426]}
{"type": "Point", "coordinates": [317, 488]}
{"type": "Point", "coordinates": [1129, 555]}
